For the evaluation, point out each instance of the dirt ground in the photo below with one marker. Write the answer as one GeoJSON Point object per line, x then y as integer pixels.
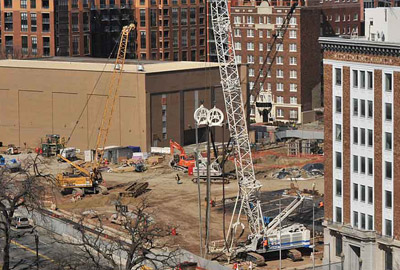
{"type": "Point", "coordinates": [178, 204]}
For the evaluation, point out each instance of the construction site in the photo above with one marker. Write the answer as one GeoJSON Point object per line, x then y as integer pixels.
{"type": "Point", "coordinates": [175, 135]}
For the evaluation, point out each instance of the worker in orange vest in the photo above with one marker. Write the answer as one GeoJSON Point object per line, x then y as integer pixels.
{"type": "Point", "coordinates": [321, 204]}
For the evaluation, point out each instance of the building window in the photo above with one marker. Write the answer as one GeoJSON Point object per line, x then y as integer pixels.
{"type": "Point", "coordinates": [279, 73]}
{"type": "Point", "coordinates": [24, 43]}
{"type": "Point", "coordinates": [279, 113]}
{"type": "Point", "coordinates": [237, 33]}
{"type": "Point", "coordinates": [279, 87]}
{"type": "Point", "coordinates": [86, 44]}
{"type": "Point", "coordinates": [370, 109]}
{"type": "Point", "coordinates": [370, 79]}
{"type": "Point", "coordinates": [338, 160]}
{"type": "Point", "coordinates": [293, 100]}
{"type": "Point", "coordinates": [142, 13]}
{"type": "Point", "coordinates": [388, 227]}
{"type": "Point", "coordinates": [388, 199]}
{"type": "Point", "coordinates": [355, 107]}
{"type": "Point", "coordinates": [293, 114]}
{"type": "Point", "coordinates": [363, 193]}
{"type": "Point", "coordinates": [33, 3]}
{"type": "Point", "coordinates": [33, 22]}
{"type": "Point", "coordinates": [142, 39]}
{"type": "Point", "coordinates": [293, 87]}
{"type": "Point", "coordinates": [293, 74]}
{"type": "Point", "coordinates": [8, 3]}
{"type": "Point", "coordinates": [292, 47]}
{"type": "Point", "coordinates": [338, 132]}
{"type": "Point", "coordinates": [388, 260]}
{"type": "Point", "coordinates": [362, 135]}
{"type": "Point", "coordinates": [388, 141]}
{"type": "Point", "coordinates": [388, 170]}
{"type": "Point", "coordinates": [261, 61]}
{"type": "Point", "coordinates": [362, 79]}
{"type": "Point", "coordinates": [45, 22]}
{"type": "Point", "coordinates": [260, 47]}
{"type": "Point", "coordinates": [24, 3]}
{"type": "Point", "coordinates": [75, 22]}
{"type": "Point", "coordinates": [370, 166]}
{"type": "Point", "coordinates": [279, 99]}
{"type": "Point", "coordinates": [370, 223]}
{"type": "Point", "coordinates": [362, 105]}
{"type": "Point", "coordinates": [250, 33]}
{"type": "Point", "coordinates": [238, 59]}
{"type": "Point", "coordinates": [292, 34]}
{"type": "Point", "coordinates": [75, 45]}
{"type": "Point", "coordinates": [388, 111]}
{"type": "Point", "coordinates": [250, 46]}
{"type": "Point", "coordinates": [251, 72]}
{"type": "Point", "coordinates": [355, 135]}
{"type": "Point", "coordinates": [279, 60]}
{"type": "Point", "coordinates": [355, 78]}
{"type": "Point", "coordinates": [338, 187]}
{"type": "Point", "coordinates": [237, 20]}
{"type": "Point", "coordinates": [293, 60]}
{"type": "Point", "coordinates": [45, 4]}
{"type": "Point", "coordinates": [363, 221]}
{"type": "Point", "coordinates": [34, 45]}
{"type": "Point", "coordinates": [355, 219]}
{"type": "Point", "coordinates": [388, 82]}
{"type": "Point", "coordinates": [338, 76]}
{"type": "Point", "coordinates": [338, 214]}
{"type": "Point", "coordinates": [250, 20]}
{"type": "Point", "coordinates": [250, 59]}
{"type": "Point", "coordinates": [338, 104]}
{"type": "Point", "coordinates": [339, 246]}
{"type": "Point", "coordinates": [355, 191]}
{"type": "Point", "coordinates": [370, 138]}
{"type": "Point", "coordinates": [8, 21]}
{"type": "Point", "coordinates": [355, 163]}
{"type": "Point", "coordinates": [370, 195]}
{"type": "Point", "coordinates": [24, 22]}
{"type": "Point", "coordinates": [362, 167]}
{"type": "Point", "coordinates": [260, 33]}
{"type": "Point", "coordinates": [293, 21]}
{"type": "Point", "coordinates": [279, 47]}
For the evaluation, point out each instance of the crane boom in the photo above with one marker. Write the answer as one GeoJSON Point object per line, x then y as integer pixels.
{"type": "Point", "coordinates": [113, 89]}
{"type": "Point", "coordinates": [249, 186]}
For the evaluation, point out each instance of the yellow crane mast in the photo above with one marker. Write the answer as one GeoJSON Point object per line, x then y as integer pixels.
{"type": "Point", "coordinates": [83, 180]}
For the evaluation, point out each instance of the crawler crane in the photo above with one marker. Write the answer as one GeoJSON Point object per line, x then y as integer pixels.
{"type": "Point", "coordinates": [83, 180]}
{"type": "Point", "coordinates": [262, 237]}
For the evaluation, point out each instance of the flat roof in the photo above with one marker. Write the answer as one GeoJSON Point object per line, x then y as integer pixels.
{"type": "Point", "coordinates": [102, 64]}
{"type": "Point", "coordinates": [360, 41]}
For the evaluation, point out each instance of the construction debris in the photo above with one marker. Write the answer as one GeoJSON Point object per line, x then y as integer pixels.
{"type": "Point", "coordinates": [135, 190]}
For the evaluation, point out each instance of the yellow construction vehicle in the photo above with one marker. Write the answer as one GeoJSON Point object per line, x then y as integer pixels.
{"type": "Point", "coordinates": [82, 180]}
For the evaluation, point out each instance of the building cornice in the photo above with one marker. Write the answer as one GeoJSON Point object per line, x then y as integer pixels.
{"type": "Point", "coordinates": [360, 46]}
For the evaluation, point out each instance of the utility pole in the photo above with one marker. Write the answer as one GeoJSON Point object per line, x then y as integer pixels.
{"type": "Point", "coordinates": [313, 231]}
{"type": "Point", "coordinates": [198, 189]}
{"type": "Point", "coordinates": [280, 234]}
{"type": "Point", "coordinates": [208, 196]}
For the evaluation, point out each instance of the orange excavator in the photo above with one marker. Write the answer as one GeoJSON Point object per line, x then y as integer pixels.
{"type": "Point", "coordinates": [180, 161]}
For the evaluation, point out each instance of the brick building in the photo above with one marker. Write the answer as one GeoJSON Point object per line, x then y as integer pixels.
{"type": "Point", "coordinates": [166, 29]}
{"type": "Point", "coordinates": [27, 28]}
{"type": "Point", "coordinates": [362, 120]}
{"type": "Point", "coordinates": [295, 72]}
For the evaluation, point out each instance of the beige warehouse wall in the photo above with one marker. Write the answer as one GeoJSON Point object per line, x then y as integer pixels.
{"type": "Point", "coordinates": [36, 102]}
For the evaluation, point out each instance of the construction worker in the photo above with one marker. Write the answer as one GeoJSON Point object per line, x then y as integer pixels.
{"type": "Point", "coordinates": [178, 179]}
{"type": "Point", "coordinates": [321, 204]}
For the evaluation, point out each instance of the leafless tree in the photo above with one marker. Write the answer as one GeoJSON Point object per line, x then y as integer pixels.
{"type": "Point", "coordinates": [142, 242]}
{"type": "Point", "coordinates": [23, 189]}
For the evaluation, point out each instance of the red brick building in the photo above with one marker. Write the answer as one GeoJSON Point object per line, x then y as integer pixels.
{"type": "Point", "coordinates": [362, 120]}
{"type": "Point", "coordinates": [27, 28]}
{"type": "Point", "coordinates": [295, 71]}
{"type": "Point", "coordinates": [166, 29]}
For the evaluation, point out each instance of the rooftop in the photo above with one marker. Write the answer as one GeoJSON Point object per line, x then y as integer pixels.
{"type": "Point", "coordinates": [100, 64]}
{"type": "Point", "coordinates": [358, 41]}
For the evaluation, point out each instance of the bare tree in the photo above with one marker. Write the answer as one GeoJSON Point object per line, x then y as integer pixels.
{"type": "Point", "coordinates": [142, 242]}
{"type": "Point", "coordinates": [23, 189]}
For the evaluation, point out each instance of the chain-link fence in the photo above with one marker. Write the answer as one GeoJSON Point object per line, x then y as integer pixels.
{"type": "Point", "coordinates": [331, 266]}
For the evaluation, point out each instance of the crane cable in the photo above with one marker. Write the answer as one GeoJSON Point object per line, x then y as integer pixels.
{"type": "Point", "coordinates": [91, 93]}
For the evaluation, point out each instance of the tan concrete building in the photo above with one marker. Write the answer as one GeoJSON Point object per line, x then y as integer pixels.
{"type": "Point", "coordinates": [153, 106]}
